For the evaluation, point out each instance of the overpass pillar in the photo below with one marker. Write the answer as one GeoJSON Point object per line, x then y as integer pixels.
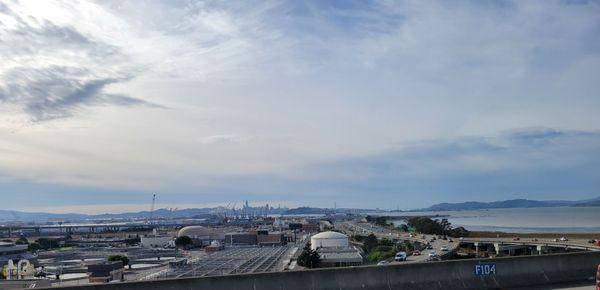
{"type": "Point", "coordinates": [476, 249]}
{"type": "Point", "coordinates": [540, 249]}
{"type": "Point", "coordinates": [497, 248]}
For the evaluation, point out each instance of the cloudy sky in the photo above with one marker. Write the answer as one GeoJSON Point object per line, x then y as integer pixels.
{"type": "Point", "coordinates": [390, 104]}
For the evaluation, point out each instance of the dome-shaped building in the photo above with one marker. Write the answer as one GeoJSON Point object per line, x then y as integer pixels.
{"type": "Point", "coordinates": [201, 235]}
{"type": "Point", "coordinates": [195, 231]}
{"type": "Point", "coordinates": [329, 240]}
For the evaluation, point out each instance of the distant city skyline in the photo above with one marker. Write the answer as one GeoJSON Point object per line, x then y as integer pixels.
{"type": "Point", "coordinates": [382, 104]}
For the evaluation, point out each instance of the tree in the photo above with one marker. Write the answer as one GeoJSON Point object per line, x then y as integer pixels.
{"type": "Point", "coordinates": [34, 247]}
{"type": "Point", "coordinates": [370, 242]}
{"type": "Point", "coordinates": [22, 241]}
{"type": "Point", "coordinates": [46, 243]}
{"type": "Point", "coordinates": [309, 258]}
{"type": "Point", "coordinates": [183, 242]}
{"type": "Point", "coordinates": [381, 221]}
{"type": "Point", "coordinates": [434, 227]}
{"type": "Point", "coordinates": [121, 258]}
{"type": "Point", "coordinates": [133, 241]}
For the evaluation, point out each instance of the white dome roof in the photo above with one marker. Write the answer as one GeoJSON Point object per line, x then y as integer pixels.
{"type": "Point", "coordinates": [330, 235]}
{"type": "Point", "coordinates": [195, 231]}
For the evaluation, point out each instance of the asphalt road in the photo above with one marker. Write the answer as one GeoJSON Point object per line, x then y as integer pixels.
{"type": "Point", "coordinates": [353, 227]}
{"type": "Point", "coordinates": [569, 286]}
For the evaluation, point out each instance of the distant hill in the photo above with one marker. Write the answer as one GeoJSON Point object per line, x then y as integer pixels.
{"type": "Point", "coordinates": [512, 203]}
{"type": "Point", "coordinates": [589, 202]}
{"type": "Point", "coordinates": [11, 215]}
{"type": "Point", "coordinates": [308, 210]}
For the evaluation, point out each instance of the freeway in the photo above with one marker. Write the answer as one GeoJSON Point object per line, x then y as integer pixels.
{"type": "Point", "coordinates": [354, 227]}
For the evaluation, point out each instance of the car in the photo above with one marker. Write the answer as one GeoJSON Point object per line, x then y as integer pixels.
{"type": "Point", "coordinates": [444, 249]}
{"type": "Point", "coordinates": [591, 241]}
{"type": "Point", "coordinates": [461, 238]}
{"type": "Point", "coordinates": [400, 256]}
{"type": "Point", "coordinates": [556, 240]}
{"type": "Point", "coordinates": [563, 239]}
{"type": "Point", "coordinates": [429, 247]}
{"type": "Point", "coordinates": [432, 254]}
{"type": "Point", "coordinates": [384, 262]}
{"type": "Point", "coordinates": [516, 238]}
{"type": "Point", "coordinates": [451, 240]}
{"type": "Point", "coordinates": [416, 253]}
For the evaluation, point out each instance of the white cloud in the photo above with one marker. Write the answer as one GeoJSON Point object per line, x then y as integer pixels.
{"type": "Point", "coordinates": [266, 88]}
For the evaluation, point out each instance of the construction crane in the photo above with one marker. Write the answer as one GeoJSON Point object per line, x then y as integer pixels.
{"type": "Point", "coordinates": [152, 208]}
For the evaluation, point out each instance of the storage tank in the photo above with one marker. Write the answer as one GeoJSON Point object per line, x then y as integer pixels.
{"type": "Point", "coordinates": [329, 240]}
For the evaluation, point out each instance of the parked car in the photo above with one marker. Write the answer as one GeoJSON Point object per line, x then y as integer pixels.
{"type": "Point", "coordinates": [444, 249]}
{"type": "Point", "coordinates": [516, 238]}
{"type": "Point", "coordinates": [416, 253]}
{"type": "Point", "coordinates": [432, 254]}
{"type": "Point", "coordinates": [451, 240]}
{"type": "Point", "coordinates": [563, 239]}
{"type": "Point", "coordinates": [400, 256]}
{"type": "Point", "coordinates": [429, 247]}
{"type": "Point", "coordinates": [384, 262]}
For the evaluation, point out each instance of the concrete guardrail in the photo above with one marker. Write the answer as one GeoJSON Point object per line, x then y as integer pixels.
{"type": "Point", "coordinates": [495, 273]}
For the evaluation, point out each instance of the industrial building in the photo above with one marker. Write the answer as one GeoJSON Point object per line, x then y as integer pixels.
{"type": "Point", "coordinates": [335, 250]}
{"type": "Point", "coordinates": [105, 272]}
{"type": "Point", "coordinates": [261, 238]}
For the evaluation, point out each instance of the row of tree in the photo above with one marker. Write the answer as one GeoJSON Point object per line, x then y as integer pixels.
{"type": "Point", "coordinates": [39, 244]}
{"type": "Point", "coordinates": [430, 226]}
{"type": "Point", "coordinates": [379, 220]}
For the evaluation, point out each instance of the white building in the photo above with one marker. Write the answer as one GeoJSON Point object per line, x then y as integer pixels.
{"type": "Point", "coordinates": [156, 241]}
{"type": "Point", "coordinates": [335, 250]}
{"type": "Point", "coordinates": [329, 240]}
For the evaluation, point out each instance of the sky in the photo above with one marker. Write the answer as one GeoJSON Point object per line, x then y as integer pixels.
{"type": "Point", "coordinates": [365, 104]}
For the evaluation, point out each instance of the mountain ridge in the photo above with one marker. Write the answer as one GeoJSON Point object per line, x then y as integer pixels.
{"type": "Point", "coordinates": [510, 203]}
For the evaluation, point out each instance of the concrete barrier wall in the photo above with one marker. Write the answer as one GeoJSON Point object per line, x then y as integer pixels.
{"type": "Point", "coordinates": [458, 274]}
